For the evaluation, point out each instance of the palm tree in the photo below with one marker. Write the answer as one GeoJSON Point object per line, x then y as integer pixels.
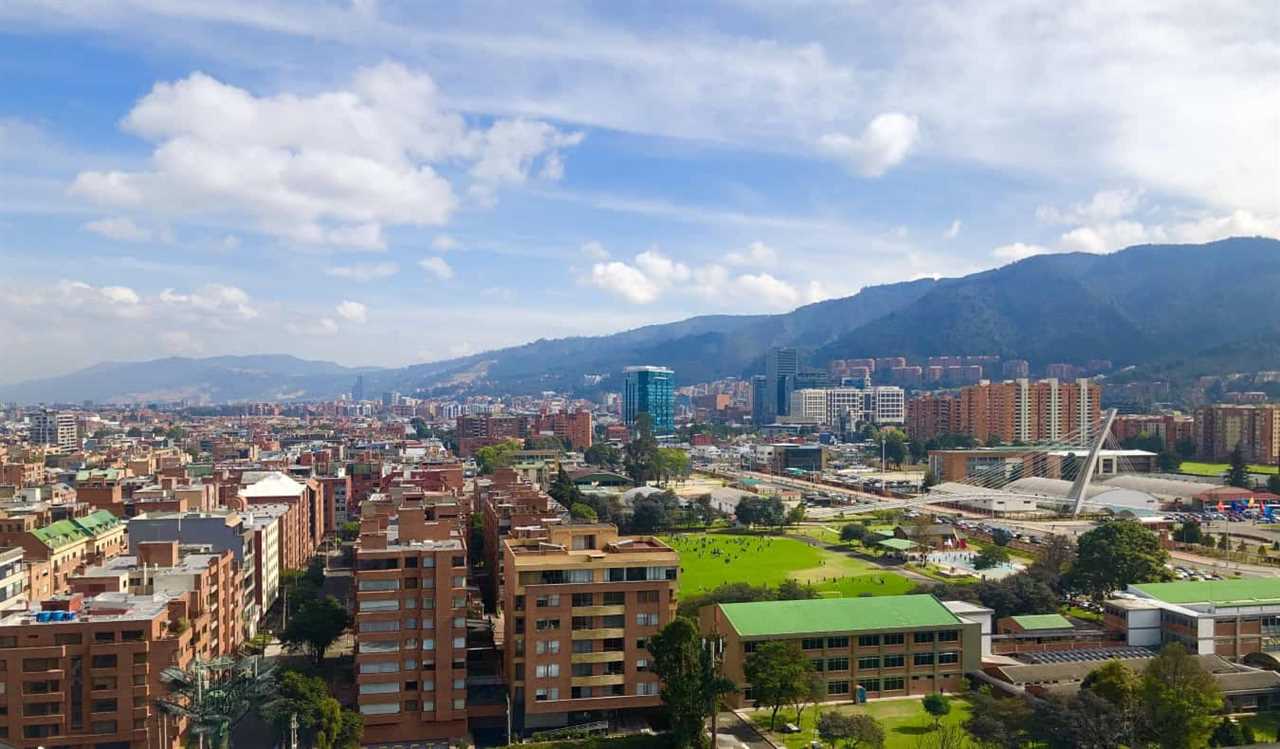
{"type": "Point", "coordinates": [214, 695]}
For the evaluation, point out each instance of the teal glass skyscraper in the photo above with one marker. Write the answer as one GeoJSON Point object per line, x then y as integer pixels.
{"type": "Point", "coordinates": [649, 390]}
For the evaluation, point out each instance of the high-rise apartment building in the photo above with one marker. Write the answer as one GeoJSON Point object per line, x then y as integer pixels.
{"type": "Point", "coordinates": [55, 428]}
{"type": "Point", "coordinates": [579, 605]}
{"type": "Point", "coordinates": [411, 628]}
{"type": "Point", "coordinates": [836, 407]}
{"type": "Point", "coordinates": [759, 400]}
{"type": "Point", "coordinates": [649, 390]}
{"type": "Point", "coordinates": [1254, 428]}
{"type": "Point", "coordinates": [884, 404]}
{"type": "Point", "coordinates": [1030, 411]}
{"type": "Point", "coordinates": [781, 365]}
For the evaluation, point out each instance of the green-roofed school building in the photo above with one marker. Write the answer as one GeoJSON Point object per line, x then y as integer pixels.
{"type": "Point", "coordinates": [1230, 618]}
{"type": "Point", "coordinates": [881, 646]}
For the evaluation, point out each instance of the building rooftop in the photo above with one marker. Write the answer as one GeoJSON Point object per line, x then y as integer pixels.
{"type": "Point", "coordinates": [1245, 590]}
{"type": "Point", "coordinates": [1033, 622]}
{"type": "Point", "coordinates": [60, 533]}
{"type": "Point", "coordinates": [274, 484]}
{"type": "Point", "coordinates": [823, 615]}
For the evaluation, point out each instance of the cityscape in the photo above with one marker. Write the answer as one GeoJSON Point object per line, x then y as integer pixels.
{"type": "Point", "coordinates": [383, 375]}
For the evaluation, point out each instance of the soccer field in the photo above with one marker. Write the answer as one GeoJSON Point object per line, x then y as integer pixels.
{"type": "Point", "coordinates": [1217, 469]}
{"type": "Point", "coordinates": [711, 559]}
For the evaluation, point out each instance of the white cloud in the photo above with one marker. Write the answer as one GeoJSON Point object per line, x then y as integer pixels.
{"type": "Point", "coordinates": [661, 269]}
{"type": "Point", "coordinates": [1105, 205]}
{"type": "Point", "coordinates": [437, 267]}
{"type": "Point", "coordinates": [352, 311]}
{"type": "Point", "coordinates": [757, 255]}
{"type": "Point", "coordinates": [625, 281]}
{"type": "Point", "coordinates": [444, 243]}
{"type": "Point", "coordinates": [230, 242]}
{"type": "Point", "coordinates": [882, 145]}
{"type": "Point", "coordinates": [953, 231]}
{"type": "Point", "coordinates": [119, 228]}
{"type": "Point", "coordinates": [331, 168]}
{"type": "Point", "coordinates": [769, 290]}
{"type": "Point", "coordinates": [114, 301]}
{"type": "Point", "coordinates": [216, 298]}
{"type": "Point", "coordinates": [363, 272]}
{"type": "Point", "coordinates": [1018, 251]}
{"type": "Point", "coordinates": [315, 327]}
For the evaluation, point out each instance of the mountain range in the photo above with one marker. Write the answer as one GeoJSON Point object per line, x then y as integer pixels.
{"type": "Point", "coordinates": [1175, 310]}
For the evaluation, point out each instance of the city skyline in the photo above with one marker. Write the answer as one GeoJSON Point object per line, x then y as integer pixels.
{"type": "Point", "coordinates": [367, 184]}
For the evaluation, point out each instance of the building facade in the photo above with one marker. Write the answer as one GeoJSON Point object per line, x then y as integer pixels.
{"type": "Point", "coordinates": [649, 390]}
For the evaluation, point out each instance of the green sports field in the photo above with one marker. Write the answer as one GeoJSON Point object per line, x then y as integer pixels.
{"type": "Point", "coordinates": [711, 559]}
{"type": "Point", "coordinates": [1215, 470]}
{"type": "Point", "coordinates": [905, 722]}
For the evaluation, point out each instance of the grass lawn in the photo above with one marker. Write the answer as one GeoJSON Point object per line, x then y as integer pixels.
{"type": "Point", "coordinates": [1217, 469]}
{"type": "Point", "coordinates": [1079, 613]}
{"type": "Point", "coordinates": [631, 741]}
{"type": "Point", "coordinates": [816, 532]}
{"type": "Point", "coordinates": [710, 559]}
{"type": "Point", "coordinates": [904, 721]}
{"type": "Point", "coordinates": [1265, 726]}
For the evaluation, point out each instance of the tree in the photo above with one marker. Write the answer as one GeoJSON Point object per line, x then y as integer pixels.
{"type": "Point", "coordinates": [582, 511]}
{"type": "Point", "coordinates": [349, 531]}
{"type": "Point", "coordinates": [1084, 721]}
{"type": "Point", "coordinates": [930, 479]}
{"type": "Point", "coordinates": [322, 722]}
{"type": "Point", "coordinates": [857, 731]}
{"type": "Point", "coordinates": [777, 672]}
{"type": "Point", "coordinates": [1115, 555]}
{"type": "Point", "coordinates": [1056, 556]}
{"type": "Point", "coordinates": [214, 695]}
{"type": "Point", "coordinates": [991, 556]}
{"type": "Point", "coordinates": [563, 490]}
{"type": "Point", "coordinates": [653, 513]}
{"type": "Point", "coordinates": [1001, 537]}
{"type": "Point", "coordinates": [938, 706]}
{"type": "Point", "coordinates": [853, 532]}
{"type": "Point", "coordinates": [1238, 473]}
{"type": "Point", "coordinates": [1169, 462]}
{"type": "Point", "coordinates": [604, 455]}
{"type": "Point", "coordinates": [544, 442]}
{"type": "Point", "coordinates": [1273, 483]}
{"type": "Point", "coordinates": [492, 457]}
{"type": "Point", "coordinates": [1118, 686]}
{"type": "Point", "coordinates": [999, 723]}
{"type": "Point", "coordinates": [1016, 595]}
{"type": "Point", "coordinates": [811, 691]}
{"type": "Point", "coordinates": [894, 446]}
{"type": "Point", "coordinates": [1179, 699]}
{"type": "Point", "coordinates": [691, 690]}
{"type": "Point", "coordinates": [640, 457]}
{"type": "Point", "coordinates": [316, 626]}
{"type": "Point", "coordinates": [795, 516]}
{"type": "Point", "coordinates": [672, 463]}
{"type": "Point", "coordinates": [1186, 448]}
{"type": "Point", "coordinates": [761, 511]}
{"type": "Point", "coordinates": [1230, 733]}
{"type": "Point", "coordinates": [1188, 533]}
{"type": "Point", "coordinates": [794, 590]}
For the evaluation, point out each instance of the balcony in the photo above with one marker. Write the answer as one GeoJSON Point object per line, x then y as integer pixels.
{"type": "Point", "coordinates": [598, 634]}
{"type": "Point", "coordinates": [597, 681]}
{"type": "Point", "coordinates": [598, 610]}
{"type": "Point", "coordinates": [605, 657]}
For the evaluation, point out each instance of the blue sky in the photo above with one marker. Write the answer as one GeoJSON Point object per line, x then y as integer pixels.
{"type": "Point", "coordinates": [386, 183]}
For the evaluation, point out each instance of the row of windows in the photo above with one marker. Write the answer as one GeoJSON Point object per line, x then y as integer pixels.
{"type": "Point", "coordinates": [427, 685]}
{"type": "Point", "coordinates": [409, 664]}
{"type": "Point", "coordinates": [643, 689]}
{"type": "Point", "coordinates": [612, 574]}
{"type": "Point", "coordinates": [869, 641]}
{"type": "Point", "coordinates": [887, 661]}
{"type": "Point", "coordinates": [410, 706]}
{"type": "Point", "coordinates": [393, 563]}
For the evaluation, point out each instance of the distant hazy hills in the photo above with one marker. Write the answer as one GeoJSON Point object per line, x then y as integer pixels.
{"type": "Point", "coordinates": [1178, 310]}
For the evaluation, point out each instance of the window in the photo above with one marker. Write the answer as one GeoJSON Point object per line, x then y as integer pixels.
{"type": "Point", "coordinates": [460, 703]}
{"type": "Point", "coordinates": [459, 622]}
{"type": "Point", "coordinates": [102, 726]}
{"type": "Point", "coordinates": [868, 641]}
{"type": "Point", "coordinates": [868, 663]}
{"type": "Point", "coordinates": [583, 622]}
{"type": "Point", "coordinates": [102, 706]}
{"type": "Point", "coordinates": [583, 646]}
{"type": "Point", "coordinates": [103, 661]}
{"type": "Point", "coordinates": [40, 664]}
{"type": "Point", "coordinates": [837, 642]}
{"type": "Point", "coordinates": [837, 687]}
{"type": "Point", "coordinates": [948, 658]}
{"type": "Point", "coordinates": [614, 598]}
{"type": "Point", "coordinates": [429, 685]}
{"type": "Point", "coordinates": [549, 601]}
{"type": "Point", "coordinates": [104, 636]}
{"type": "Point", "coordinates": [922, 659]}
{"type": "Point", "coordinates": [379, 667]}
{"type": "Point", "coordinates": [811, 643]}
{"type": "Point", "coordinates": [894, 638]}
{"type": "Point", "coordinates": [380, 708]}
{"type": "Point", "coordinates": [895, 661]}
{"type": "Point", "coordinates": [871, 685]}
{"type": "Point", "coordinates": [544, 625]}
{"type": "Point", "coordinates": [459, 561]}
{"type": "Point", "coordinates": [949, 635]}
{"type": "Point", "coordinates": [68, 639]}
{"type": "Point", "coordinates": [542, 647]}
{"type": "Point", "coordinates": [750, 647]}
{"type": "Point", "coordinates": [549, 693]}
{"type": "Point", "coordinates": [459, 642]}
{"type": "Point", "coordinates": [837, 664]}
{"type": "Point", "coordinates": [922, 637]}
{"type": "Point", "coordinates": [647, 620]}
{"type": "Point", "coordinates": [579, 693]}
{"type": "Point", "coordinates": [378, 585]}
{"type": "Point", "coordinates": [388, 687]}
{"type": "Point", "coordinates": [816, 664]}
{"type": "Point", "coordinates": [459, 581]}
{"type": "Point", "coordinates": [642, 664]}
{"type": "Point", "coordinates": [613, 621]}
{"type": "Point", "coordinates": [462, 683]}
{"type": "Point", "coordinates": [428, 706]}
{"type": "Point", "coordinates": [893, 685]}
{"type": "Point", "coordinates": [582, 669]}
{"type": "Point", "coordinates": [583, 599]}
{"type": "Point", "coordinates": [103, 682]}
{"type": "Point", "coordinates": [647, 688]}
{"type": "Point", "coordinates": [388, 605]}
{"type": "Point", "coordinates": [647, 596]}
{"type": "Point", "coordinates": [429, 644]}
{"type": "Point", "coordinates": [390, 625]}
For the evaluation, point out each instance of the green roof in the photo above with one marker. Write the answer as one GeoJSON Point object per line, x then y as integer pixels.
{"type": "Point", "coordinates": [822, 615]}
{"type": "Point", "coordinates": [1042, 621]}
{"type": "Point", "coordinates": [109, 474]}
{"type": "Point", "coordinates": [1243, 590]}
{"type": "Point", "coordinates": [898, 544]}
{"type": "Point", "coordinates": [58, 534]}
{"type": "Point", "coordinates": [96, 522]}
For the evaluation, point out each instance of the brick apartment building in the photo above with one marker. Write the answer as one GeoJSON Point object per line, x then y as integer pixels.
{"type": "Point", "coordinates": [579, 604]}
{"type": "Point", "coordinates": [1255, 428]}
{"type": "Point", "coordinates": [85, 673]}
{"type": "Point", "coordinates": [506, 502]}
{"type": "Point", "coordinates": [1170, 429]}
{"type": "Point", "coordinates": [411, 633]}
{"type": "Point", "coordinates": [884, 646]}
{"type": "Point", "coordinates": [1012, 411]}
{"type": "Point", "coordinates": [474, 432]}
